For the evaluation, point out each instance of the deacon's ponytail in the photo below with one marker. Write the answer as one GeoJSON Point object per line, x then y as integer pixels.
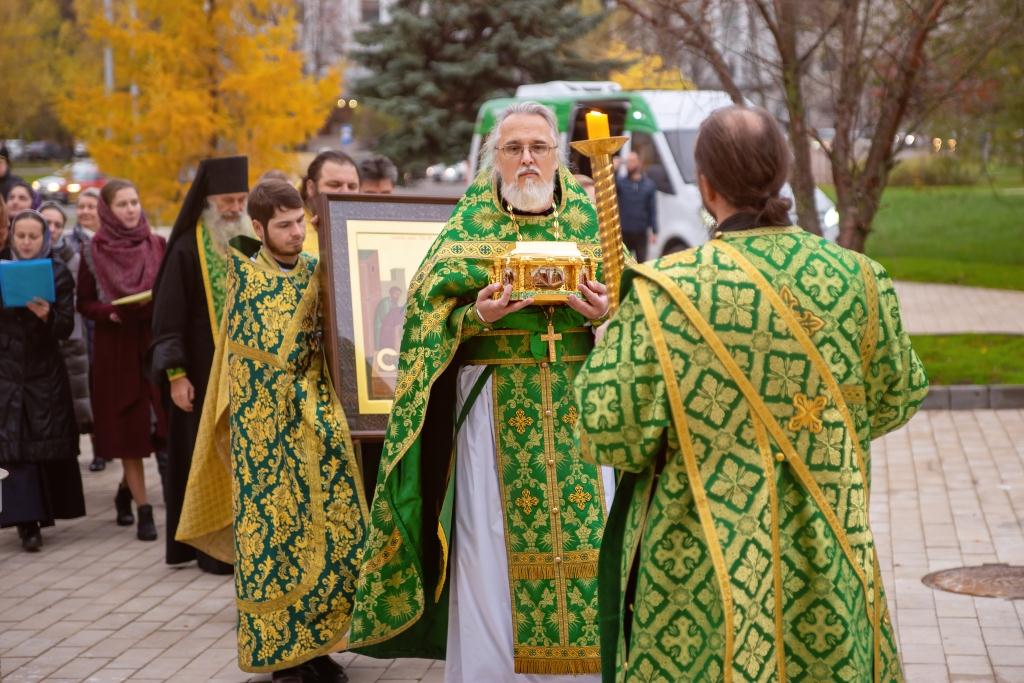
{"type": "Point", "coordinates": [775, 212]}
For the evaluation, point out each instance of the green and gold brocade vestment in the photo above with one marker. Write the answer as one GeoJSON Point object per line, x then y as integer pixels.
{"type": "Point", "coordinates": [274, 485]}
{"type": "Point", "coordinates": [742, 413]}
{"type": "Point", "coordinates": [553, 503]}
{"type": "Point", "coordinates": [214, 266]}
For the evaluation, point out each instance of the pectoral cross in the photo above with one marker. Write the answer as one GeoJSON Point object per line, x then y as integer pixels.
{"type": "Point", "coordinates": [551, 338]}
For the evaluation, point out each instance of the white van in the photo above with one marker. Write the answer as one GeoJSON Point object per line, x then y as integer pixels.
{"type": "Point", "coordinates": [662, 128]}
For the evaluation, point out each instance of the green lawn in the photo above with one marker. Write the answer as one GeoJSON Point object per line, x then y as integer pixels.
{"type": "Point", "coordinates": [35, 171]}
{"type": "Point", "coordinates": [961, 235]}
{"type": "Point", "coordinates": [972, 358]}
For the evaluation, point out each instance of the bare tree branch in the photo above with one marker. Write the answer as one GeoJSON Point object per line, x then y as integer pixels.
{"type": "Point", "coordinates": [820, 40]}
{"type": "Point", "coordinates": [696, 38]}
{"type": "Point", "coordinates": [950, 92]}
{"type": "Point", "coordinates": [875, 86]}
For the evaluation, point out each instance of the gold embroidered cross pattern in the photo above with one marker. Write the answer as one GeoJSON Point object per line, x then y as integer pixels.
{"type": "Point", "coordinates": [520, 421]}
{"type": "Point", "coordinates": [808, 413]}
{"type": "Point", "coordinates": [526, 501]}
{"type": "Point", "coordinates": [570, 416]}
{"type": "Point", "coordinates": [579, 497]}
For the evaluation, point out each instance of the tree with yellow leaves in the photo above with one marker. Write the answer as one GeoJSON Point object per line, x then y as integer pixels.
{"type": "Point", "coordinates": [644, 71]}
{"type": "Point", "coordinates": [27, 66]}
{"type": "Point", "coordinates": [192, 79]}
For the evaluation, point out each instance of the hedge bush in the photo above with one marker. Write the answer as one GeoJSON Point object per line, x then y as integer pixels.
{"type": "Point", "coordinates": [933, 169]}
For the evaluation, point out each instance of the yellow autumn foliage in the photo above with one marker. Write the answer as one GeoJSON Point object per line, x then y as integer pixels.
{"type": "Point", "coordinates": [193, 79]}
{"type": "Point", "coordinates": [644, 71]}
{"type": "Point", "coordinates": [28, 29]}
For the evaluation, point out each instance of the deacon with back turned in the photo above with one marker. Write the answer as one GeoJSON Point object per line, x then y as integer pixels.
{"type": "Point", "coordinates": [738, 389]}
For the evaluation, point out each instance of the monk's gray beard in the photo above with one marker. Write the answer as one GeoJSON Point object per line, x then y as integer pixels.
{"type": "Point", "coordinates": [222, 231]}
{"type": "Point", "coordinates": [533, 196]}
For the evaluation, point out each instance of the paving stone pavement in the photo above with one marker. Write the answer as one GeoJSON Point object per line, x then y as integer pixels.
{"type": "Point", "coordinates": [98, 605]}
{"type": "Point", "coordinates": [952, 309]}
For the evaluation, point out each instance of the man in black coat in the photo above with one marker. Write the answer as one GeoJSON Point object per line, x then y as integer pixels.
{"type": "Point", "coordinates": [188, 303]}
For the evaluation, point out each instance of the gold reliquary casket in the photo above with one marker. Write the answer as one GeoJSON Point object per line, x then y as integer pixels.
{"type": "Point", "coordinates": [549, 272]}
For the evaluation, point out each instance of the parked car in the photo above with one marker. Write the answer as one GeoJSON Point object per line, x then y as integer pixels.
{"type": "Point", "coordinates": [445, 173]}
{"type": "Point", "coordinates": [15, 148]}
{"type": "Point", "coordinates": [69, 182]}
{"type": "Point", "coordinates": [662, 128]}
{"type": "Point", "coordinates": [42, 150]}
{"type": "Point", "coordinates": [51, 188]}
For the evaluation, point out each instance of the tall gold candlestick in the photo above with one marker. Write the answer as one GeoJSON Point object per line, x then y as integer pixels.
{"type": "Point", "coordinates": [600, 152]}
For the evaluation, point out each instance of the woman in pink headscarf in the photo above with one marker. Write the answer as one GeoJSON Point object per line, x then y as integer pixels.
{"type": "Point", "coordinates": [128, 417]}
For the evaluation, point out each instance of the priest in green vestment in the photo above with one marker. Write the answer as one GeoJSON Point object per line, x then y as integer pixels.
{"type": "Point", "coordinates": [274, 485]}
{"type": "Point", "coordinates": [738, 389]}
{"type": "Point", "coordinates": [485, 526]}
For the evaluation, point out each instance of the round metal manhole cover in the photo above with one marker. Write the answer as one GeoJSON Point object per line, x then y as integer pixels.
{"type": "Point", "coordinates": [986, 581]}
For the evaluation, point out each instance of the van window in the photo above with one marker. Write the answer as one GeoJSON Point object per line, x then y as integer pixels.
{"type": "Point", "coordinates": [643, 144]}
{"type": "Point", "coordinates": [682, 143]}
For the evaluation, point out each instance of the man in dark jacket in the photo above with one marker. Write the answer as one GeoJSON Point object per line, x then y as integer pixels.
{"type": "Point", "coordinates": [188, 302]}
{"type": "Point", "coordinates": [638, 198]}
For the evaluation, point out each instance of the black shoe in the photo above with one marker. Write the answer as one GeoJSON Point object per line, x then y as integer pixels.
{"type": "Point", "coordinates": [147, 529]}
{"type": "Point", "coordinates": [31, 537]}
{"type": "Point", "coordinates": [327, 670]}
{"type": "Point", "coordinates": [123, 505]}
{"type": "Point", "coordinates": [213, 566]}
{"type": "Point", "coordinates": [98, 465]}
{"type": "Point", "coordinates": [294, 674]}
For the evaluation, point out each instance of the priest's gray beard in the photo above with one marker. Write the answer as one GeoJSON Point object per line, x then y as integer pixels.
{"type": "Point", "coordinates": [535, 195]}
{"type": "Point", "coordinates": [222, 231]}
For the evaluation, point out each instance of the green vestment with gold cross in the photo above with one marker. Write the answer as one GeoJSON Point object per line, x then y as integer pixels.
{"type": "Point", "coordinates": [274, 484]}
{"type": "Point", "coordinates": [739, 388]}
{"type": "Point", "coordinates": [553, 503]}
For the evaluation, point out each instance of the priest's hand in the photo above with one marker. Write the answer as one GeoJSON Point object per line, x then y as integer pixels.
{"type": "Point", "coordinates": [592, 302]}
{"type": "Point", "coordinates": [183, 393]}
{"type": "Point", "coordinates": [490, 310]}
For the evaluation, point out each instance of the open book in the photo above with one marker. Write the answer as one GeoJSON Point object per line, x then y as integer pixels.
{"type": "Point", "coordinates": [22, 281]}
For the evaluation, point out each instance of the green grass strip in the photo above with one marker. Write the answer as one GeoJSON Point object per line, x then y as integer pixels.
{"type": "Point", "coordinates": [961, 235]}
{"type": "Point", "coordinates": [972, 358]}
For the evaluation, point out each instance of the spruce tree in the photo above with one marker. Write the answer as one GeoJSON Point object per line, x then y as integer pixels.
{"type": "Point", "coordinates": [436, 61]}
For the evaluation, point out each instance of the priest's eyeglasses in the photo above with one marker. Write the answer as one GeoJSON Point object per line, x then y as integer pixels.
{"type": "Point", "coordinates": [538, 150]}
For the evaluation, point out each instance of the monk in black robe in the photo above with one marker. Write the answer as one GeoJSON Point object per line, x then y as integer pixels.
{"type": "Point", "coordinates": [189, 297]}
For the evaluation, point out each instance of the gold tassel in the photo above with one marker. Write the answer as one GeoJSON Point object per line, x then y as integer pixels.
{"type": "Point", "coordinates": [569, 570]}
{"type": "Point", "coordinates": [580, 570]}
{"type": "Point", "coordinates": [532, 572]}
{"type": "Point", "coordinates": [534, 665]}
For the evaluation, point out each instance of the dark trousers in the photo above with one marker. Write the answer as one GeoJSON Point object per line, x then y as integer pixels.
{"type": "Point", "coordinates": [636, 242]}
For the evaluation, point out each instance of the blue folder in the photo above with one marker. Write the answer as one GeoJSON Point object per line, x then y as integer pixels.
{"type": "Point", "coordinates": [22, 281]}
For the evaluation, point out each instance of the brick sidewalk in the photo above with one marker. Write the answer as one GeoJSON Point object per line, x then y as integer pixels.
{"type": "Point", "coordinates": [98, 605]}
{"type": "Point", "coordinates": [952, 309]}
